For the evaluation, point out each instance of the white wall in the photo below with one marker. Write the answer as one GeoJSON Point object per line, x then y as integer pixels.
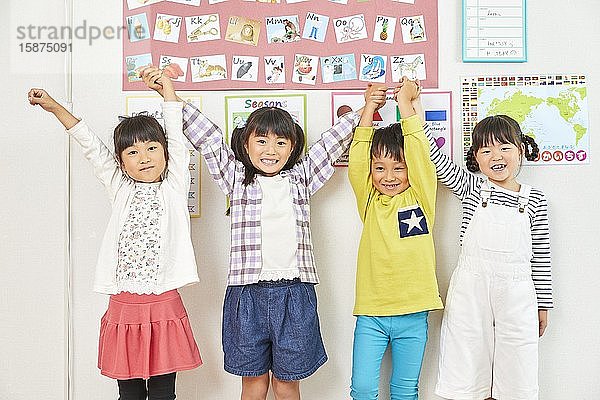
{"type": "Point", "coordinates": [33, 216]}
{"type": "Point", "coordinates": [563, 37]}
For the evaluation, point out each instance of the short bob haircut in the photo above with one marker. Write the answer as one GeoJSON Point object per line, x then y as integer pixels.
{"type": "Point", "coordinates": [261, 122]}
{"type": "Point", "coordinates": [500, 129]}
{"type": "Point", "coordinates": [140, 128]}
{"type": "Point", "coordinates": [388, 142]}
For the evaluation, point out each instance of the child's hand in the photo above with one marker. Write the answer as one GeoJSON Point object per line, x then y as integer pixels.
{"type": "Point", "coordinates": [407, 90]}
{"type": "Point", "coordinates": [375, 96]}
{"type": "Point", "coordinates": [41, 98]}
{"type": "Point", "coordinates": [151, 77]}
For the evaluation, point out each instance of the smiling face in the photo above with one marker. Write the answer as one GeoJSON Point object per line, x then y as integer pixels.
{"type": "Point", "coordinates": [268, 153]}
{"type": "Point", "coordinates": [390, 177]}
{"type": "Point", "coordinates": [144, 161]}
{"type": "Point", "coordinates": [500, 162]}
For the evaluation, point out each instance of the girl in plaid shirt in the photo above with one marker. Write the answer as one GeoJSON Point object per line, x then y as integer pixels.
{"type": "Point", "coordinates": [271, 331]}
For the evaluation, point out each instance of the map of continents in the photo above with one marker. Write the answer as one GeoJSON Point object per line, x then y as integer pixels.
{"type": "Point", "coordinates": [555, 116]}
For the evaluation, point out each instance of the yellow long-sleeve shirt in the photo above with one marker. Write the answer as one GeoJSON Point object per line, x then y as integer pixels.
{"type": "Point", "coordinates": [396, 259]}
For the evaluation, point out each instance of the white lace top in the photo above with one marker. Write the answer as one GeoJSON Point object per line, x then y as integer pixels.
{"type": "Point", "coordinates": [139, 242]}
{"type": "Point", "coordinates": [278, 229]}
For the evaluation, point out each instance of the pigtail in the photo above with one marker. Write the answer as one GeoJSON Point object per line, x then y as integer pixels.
{"type": "Point", "coordinates": [472, 164]}
{"type": "Point", "coordinates": [531, 148]}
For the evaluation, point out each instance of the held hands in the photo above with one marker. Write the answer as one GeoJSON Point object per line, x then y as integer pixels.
{"type": "Point", "coordinates": [407, 90]}
{"type": "Point", "coordinates": [407, 96]}
{"type": "Point", "coordinates": [160, 81]}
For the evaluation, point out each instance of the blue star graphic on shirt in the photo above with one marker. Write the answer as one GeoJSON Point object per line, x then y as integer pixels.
{"type": "Point", "coordinates": [412, 222]}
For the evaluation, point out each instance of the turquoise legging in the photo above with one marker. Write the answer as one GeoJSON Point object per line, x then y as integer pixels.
{"type": "Point", "coordinates": [407, 335]}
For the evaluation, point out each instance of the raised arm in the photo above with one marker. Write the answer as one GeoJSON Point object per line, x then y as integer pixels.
{"type": "Point", "coordinates": [41, 98]}
{"type": "Point", "coordinates": [205, 136]}
{"type": "Point", "coordinates": [359, 163]}
{"type": "Point", "coordinates": [178, 171]}
{"type": "Point", "coordinates": [455, 178]}
{"type": "Point", "coordinates": [421, 171]}
{"type": "Point", "coordinates": [318, 163]}
{"type": "Point", "coordinates": [95, 151]}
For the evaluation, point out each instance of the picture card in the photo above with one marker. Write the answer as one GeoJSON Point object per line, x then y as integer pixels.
{"type": "Point", "coordinates": [282, 29]}
{"type": "Point", "coordinates": [385, 28]}
{"type": "Point", "coordinates": [167, 27]}
{"type": "Point", "coordinates": [338, 68]}
{"type": "Point", "coordinates": [202, 28]}
{"type": "Point", "coordinates": [315, 27]}
{"type": "Point", "coordinates": [208, 68]}
{"type": "Point", "coordinates": [305, 69]}
{"type": "Point", "coordinates": [137, 27]}
{"type": "Point", "coordinates": [413, 29]}
{"type": "Point", "coordinates": [412, 66]}
{"type": "Point", "coordinates": [179, 64]}
{"type": "Point", "coordinates": [135, 65]}
{"type": "Point", "coordinates": [244, 68]}
{"type": "Point", "coordinates": [274, 69]}
{"type": "Point", "coordinates": [348, 29]}
{"type": "Point", "coordinates": [242, 30]}
{"type": "Point", "coordinates": [373, 67]}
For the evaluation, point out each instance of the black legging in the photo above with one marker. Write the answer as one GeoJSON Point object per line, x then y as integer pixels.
{"type": "Point", "coordinates": [160, 387]}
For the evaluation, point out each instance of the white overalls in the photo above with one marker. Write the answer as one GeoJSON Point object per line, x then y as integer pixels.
{"type": "Point", "coordinates": [489, 334]}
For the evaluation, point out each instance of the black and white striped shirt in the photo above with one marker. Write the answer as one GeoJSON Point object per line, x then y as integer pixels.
{"type": "Point", "coordinates": [467, 187]}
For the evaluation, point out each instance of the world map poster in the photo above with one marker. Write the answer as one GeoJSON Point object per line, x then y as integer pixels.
{"type": "Point", "coordinates": [553, 109]}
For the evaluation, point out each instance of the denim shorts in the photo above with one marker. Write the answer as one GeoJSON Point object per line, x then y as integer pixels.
{"type": "Point", "coordinates": [272, 326]}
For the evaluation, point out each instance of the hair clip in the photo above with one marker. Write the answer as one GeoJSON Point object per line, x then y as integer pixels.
{"type": "Point", "coordinates": [123, 117]}
{"type": "Point", "coordinates": [239, 122]}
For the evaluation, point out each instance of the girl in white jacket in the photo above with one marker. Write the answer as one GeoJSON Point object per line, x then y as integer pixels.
{"type": "Point", "coordinates": [146, 253]}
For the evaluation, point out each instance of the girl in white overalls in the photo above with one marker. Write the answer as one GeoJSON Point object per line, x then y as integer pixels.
{"type": "Point", "coordinates": [495, 313]}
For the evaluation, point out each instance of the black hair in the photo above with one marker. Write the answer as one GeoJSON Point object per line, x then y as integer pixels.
{"type": "Point", "coordinates": [502, 129]}
{"type": "Point", "coordinates": [261, 122]}
{"type": "Point", "coordinates": [388, 142]}
{"type": "Point", "coordinates": [140, 128]}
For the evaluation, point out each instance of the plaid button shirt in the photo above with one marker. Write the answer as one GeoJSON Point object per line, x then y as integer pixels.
{"type": "Point", "coordinates": [306, 177]}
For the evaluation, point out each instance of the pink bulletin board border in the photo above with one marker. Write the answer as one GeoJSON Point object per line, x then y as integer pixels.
{"type": "Point", "coordinates": [258, 11]}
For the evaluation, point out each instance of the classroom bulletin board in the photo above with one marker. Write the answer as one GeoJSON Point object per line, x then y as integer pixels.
{"type": "Point", "coordinates": [310, 44]}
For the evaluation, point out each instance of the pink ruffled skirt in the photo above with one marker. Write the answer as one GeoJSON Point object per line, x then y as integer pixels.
{"type": "Point", "coordinates": [146, 335]}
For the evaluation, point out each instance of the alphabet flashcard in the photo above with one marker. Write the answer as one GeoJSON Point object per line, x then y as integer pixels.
{"type": "Point", "coordinates": [385, 27]}
{"type": "Point", "coordinates": [244, 68]}
{"type": "Point", "coordinates": [274, 69]}
{"type": "Point", "coordinates": [136, 64]}
{"type": "Point", "coordinates": [208, 68]}
{"type": "Point", "coordinates": [242, 30]}
{"type": "Point", "coordinates": [348, 29]}
{"type": "Point", "coordinates": [283, 29]}
{"type": "Point", "coordinates": [167, 28]}
{"type": "Point", "coordinates": [338, 68]}
{"type": "Point", "coordinates": [413, 29]}
{"type": "Point", "coordinates": [179, 64]}
{"type": "Point", "coordinates": [305, 69]}
{"type": "Point", "coordinates": [373, 67]}
{"type": "Point", "coordinates": [315, 27]}
{"type": "Point", "coordinates": [137, 27]}
{"type": "Point", "coordinates": [411, 65]}
{"type": "Point", "coordinates": [202, 28]}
